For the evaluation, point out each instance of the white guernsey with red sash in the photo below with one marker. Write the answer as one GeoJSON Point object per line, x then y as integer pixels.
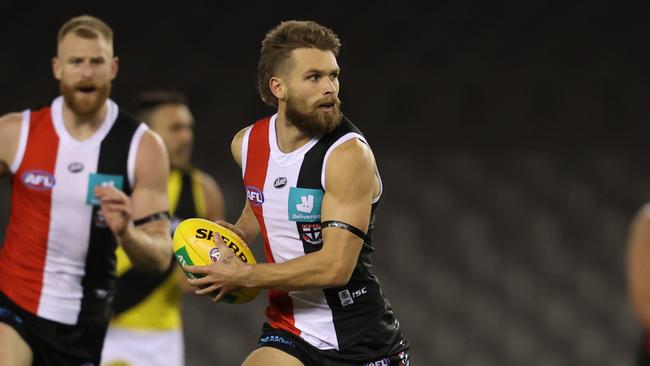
{"type": "Point", "coordinates": [285, 191]}
{"type": "Point", "coordinates": [58, 260]}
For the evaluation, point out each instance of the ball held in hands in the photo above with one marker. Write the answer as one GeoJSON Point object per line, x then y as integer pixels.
{"type": "Point", "coordinates": [194, 245]}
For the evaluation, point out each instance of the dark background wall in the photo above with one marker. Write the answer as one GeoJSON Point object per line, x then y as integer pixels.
{"type": "Point", "coordinates": [511, 137]}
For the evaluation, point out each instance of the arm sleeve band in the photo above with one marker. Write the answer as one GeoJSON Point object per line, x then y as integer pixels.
{"type": "Point", "coordinates": [344, 226]}
{"type": "Point", "coordinates": [163, 215]}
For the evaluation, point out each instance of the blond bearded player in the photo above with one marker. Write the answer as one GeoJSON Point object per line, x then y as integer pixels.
{"type": "Point", "coordinates": [86, 178]}
{"type": "Point", "coordinates": [312, 187]}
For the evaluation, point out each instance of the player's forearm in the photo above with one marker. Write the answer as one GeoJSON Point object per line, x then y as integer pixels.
{"type": "Point", "coordinates": [311, 271]}
{"type": "Point", "coordinates": [148, 251]}
{"type": "Point", "coordinates": [249, 232]}
{"type": "Point", "coordinates": [248, 225]}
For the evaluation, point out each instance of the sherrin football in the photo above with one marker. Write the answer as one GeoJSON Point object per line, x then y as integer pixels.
{"type": "Point", "coordinates": [194, 245]}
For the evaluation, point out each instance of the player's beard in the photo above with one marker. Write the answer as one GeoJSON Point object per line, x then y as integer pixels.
{"type": "Point", "coordinates": [181, 156]}
{"type": "Point", "coordinates": [310, 119]}
{"type": "Point", "coordinates": [85, 105]}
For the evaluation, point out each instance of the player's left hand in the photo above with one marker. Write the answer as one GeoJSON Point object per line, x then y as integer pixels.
{"type": "Point", "coordinates": [116, 207]}
{"type": "Point", "coordinates": [225, 275]}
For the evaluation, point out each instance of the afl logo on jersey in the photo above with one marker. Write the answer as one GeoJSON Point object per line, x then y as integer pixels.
{"type": "Point", "coordinates": [255, 196]}
{"type": "Point", "coordinates": [38, 180]}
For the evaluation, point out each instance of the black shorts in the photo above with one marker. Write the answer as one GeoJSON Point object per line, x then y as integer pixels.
{"type": "Point", "coordinates": [312, 356]}
{"type": "Point", "coordinates": [53, 343]}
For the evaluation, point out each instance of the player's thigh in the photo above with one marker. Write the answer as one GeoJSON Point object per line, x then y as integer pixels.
{"type": "Point", "coordinates": [15, 351]}
{"type": "Point", "coordinates": [265, 356]}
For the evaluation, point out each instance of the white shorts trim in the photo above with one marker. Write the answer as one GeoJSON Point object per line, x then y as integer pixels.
{"type": "Point", "coordinates": [143, 347]}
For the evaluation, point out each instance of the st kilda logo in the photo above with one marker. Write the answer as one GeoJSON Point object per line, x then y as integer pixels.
{"type": "Point", "coordinates": [311, 233]}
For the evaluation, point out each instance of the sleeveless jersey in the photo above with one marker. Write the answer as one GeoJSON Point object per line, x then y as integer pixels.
{"type": "Point", "coordinates": [58, 258]}
{"type": "Point", "coordinates": [285, 192]}
{"type": "Point", "coordinates": [150, 301]}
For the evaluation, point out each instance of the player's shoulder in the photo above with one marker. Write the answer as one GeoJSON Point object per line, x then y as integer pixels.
{"type": "Point", "coordinates": [239, 136]}
{"type": "Point", "coordinates": [11, 120]}
{"type": "Point", "coordinates": [237, 142]}
{"type": "Point", "coordinates": [152, 140]}
{"type": "Point", "coordinates": [353, 145]}
{"type": "Point", "coordinates": [642, 218]}
{"type": "Point", "coordinates": [352, 153]}
{"type": "Point", "coordinates": [643, 214]}
{"type": "Point", "coordinates": [10, 126]}
{"type": "Point", "coordinates": [151, 147]}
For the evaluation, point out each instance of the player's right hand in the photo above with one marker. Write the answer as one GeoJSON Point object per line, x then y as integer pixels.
{"type": "Point", "coordinates": [116, 207]}
{"type": "Point", "coordinates": [227, 274]}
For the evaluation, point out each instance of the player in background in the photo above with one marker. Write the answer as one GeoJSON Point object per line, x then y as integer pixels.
{"type": "Point", "coordinates": [86, 178]}
{"type": "Point", "coordinates": [312, 187]}
{"type": "Point", "coordinates": [146, 328]}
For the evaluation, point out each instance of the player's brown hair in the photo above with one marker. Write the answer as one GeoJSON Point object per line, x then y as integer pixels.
{"type": "Point", "coordinates": [284, 38]}
{"type": "Point", "coordinates": [86, 26]}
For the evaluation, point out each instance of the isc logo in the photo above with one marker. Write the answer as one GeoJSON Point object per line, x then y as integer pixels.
{"type": "Point", "coordinates": [38, 180]}
{"type": "Point", "coordinates": [359, 292]}
{"type": "Point", "coordinates": [209, 235]}
{"type": "Point", "coordinates": [255, 196]}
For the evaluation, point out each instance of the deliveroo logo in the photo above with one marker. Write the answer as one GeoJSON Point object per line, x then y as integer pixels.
{"type": "Point", "coordinates": [304, 204]}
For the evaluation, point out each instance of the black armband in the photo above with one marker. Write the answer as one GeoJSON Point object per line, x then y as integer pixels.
{"type": "Point", "coordinates": [153, 217]}
{"type": "Point", "coordinates": [344, 226]}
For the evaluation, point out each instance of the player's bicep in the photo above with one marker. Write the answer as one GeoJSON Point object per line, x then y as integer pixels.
{"type": "Point", "coordinates": [350, 178]}
{"type": "Point", "coordinates": [151, 172]}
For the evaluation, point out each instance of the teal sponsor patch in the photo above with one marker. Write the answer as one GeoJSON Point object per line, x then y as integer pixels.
{"type": "Point", "coordinates": [305, 204]}
{"type": "Point", "coordinates": [105, 180]}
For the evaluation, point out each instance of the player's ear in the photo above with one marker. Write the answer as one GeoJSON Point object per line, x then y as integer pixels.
{"type": "Point", "coordinates": [115, 65]}
{"type": "Point", "coordinates": [277, 87]}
